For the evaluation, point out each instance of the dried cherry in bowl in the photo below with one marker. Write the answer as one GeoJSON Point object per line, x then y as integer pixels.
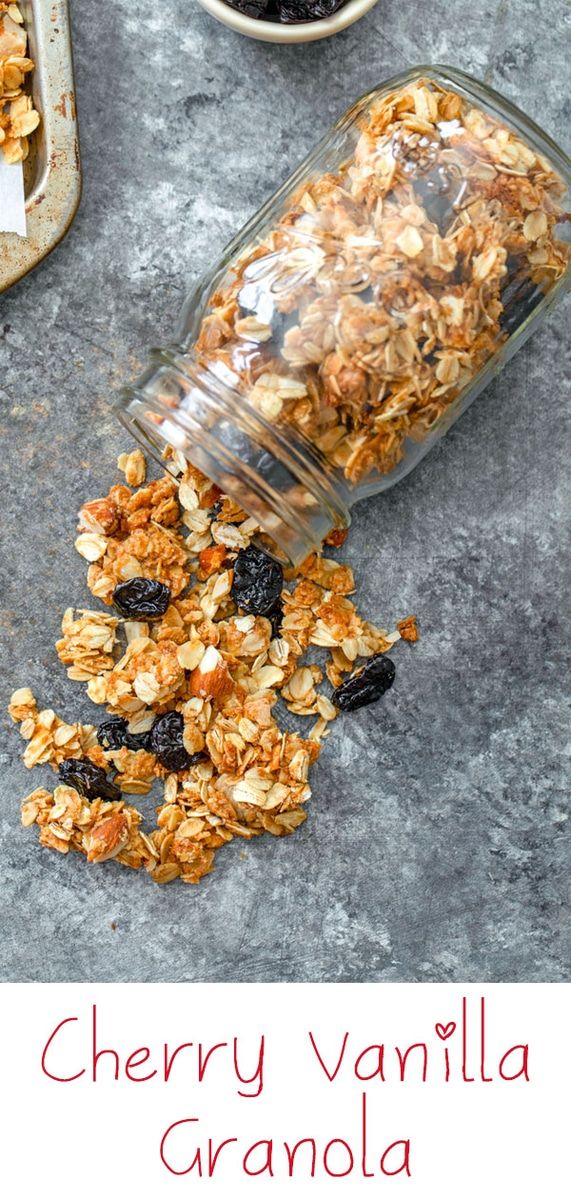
{"type": "Point", "coordinates": [269, 31]}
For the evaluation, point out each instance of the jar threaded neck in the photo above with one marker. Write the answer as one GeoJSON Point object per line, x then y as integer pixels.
{"type": "Point", "coordinates": [282, 482]}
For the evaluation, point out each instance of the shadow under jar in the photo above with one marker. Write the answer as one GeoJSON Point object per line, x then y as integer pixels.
{"type": "Point", "coordinates": [364, 307]}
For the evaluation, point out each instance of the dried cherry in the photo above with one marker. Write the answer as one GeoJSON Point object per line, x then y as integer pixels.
{"type": "Point", "coordinates": [519, 295]}
{"type": "Point", "coordinates": [89, 780]}
{"type": "Point", "coordinates": [291, 12]}
{"type": "Point", "coordinates": [367, 685]}
{"type": "Point", "coordinates": [258, 581]}
{"type": "Point", "coordinates": [250, 8]}
{"type": "Point", "coordinates": [141, 599]}
{"type": "Point", "coordinates": [276, 616]}
{"type": "Point", "coordinates": [166, 742]}
{"type": "Point", "coordinates": [114, 734]}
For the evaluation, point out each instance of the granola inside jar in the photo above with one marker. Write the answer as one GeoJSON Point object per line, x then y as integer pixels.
{"type": "Point", "coordinates": [365, 306]}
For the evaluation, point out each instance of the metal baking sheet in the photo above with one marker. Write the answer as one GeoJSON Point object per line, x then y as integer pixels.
{"type": "Point", "coordinates": [52, 171]}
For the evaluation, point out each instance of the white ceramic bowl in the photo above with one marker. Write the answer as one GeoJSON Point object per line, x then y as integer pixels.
{"type": "Point", "coordinates": [267, 31]}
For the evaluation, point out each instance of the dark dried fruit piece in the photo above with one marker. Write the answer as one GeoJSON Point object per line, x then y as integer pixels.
{"type": "Point", "coordinates": [276, 616]}
{"type": "Point", "coordinates": [250, 8]}
{"type": "Point", "coordinates": [111, 734]}
{"type": "Point", "coordinates": [258, 581]}
{"type": "Point", "coordinates": [141, 599]}
{"type": "Point", "coordinates": [114, 734]}
{"type": "Point", "coordinates": [367, 685]}
{"type": "Point", "coordinates": [87, 779]}
{"type": "Point", "coordinates": [519, 296]}
{"type": "Point", "coordinates": [293, 11]}
{"type": "Point", "coordinates": [165, 740]}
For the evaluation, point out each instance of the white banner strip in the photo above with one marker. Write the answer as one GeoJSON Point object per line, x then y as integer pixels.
{"type": "Point", "coordinates": [282, 1090]}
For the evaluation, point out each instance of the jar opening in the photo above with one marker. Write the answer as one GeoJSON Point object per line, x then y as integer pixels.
{"type": "Point", "coordinates": [280, 488]}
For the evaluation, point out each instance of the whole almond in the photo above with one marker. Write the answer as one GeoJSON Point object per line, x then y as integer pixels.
{"type": "Point", "coordinates": [108, 837]}
{"type": "Point", "coordinates": [98, 516]}
{"type": "Point", "coordinates": [211, 679]}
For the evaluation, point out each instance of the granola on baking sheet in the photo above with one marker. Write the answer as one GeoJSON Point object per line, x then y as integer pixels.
{"type": "Point", "coordinates": [190, 691]}
{"type": "Point", "coordinates": [18, 117]}
{"type": "Point", "coordinates": [362, 313]}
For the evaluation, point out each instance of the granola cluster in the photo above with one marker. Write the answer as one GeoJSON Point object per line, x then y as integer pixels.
{"type": "Point", "coordinates": [366, 310]}
{"type": "Point", "coordinates": [18, 117]}
{"type": "Point", "coordinates": [221, 669]}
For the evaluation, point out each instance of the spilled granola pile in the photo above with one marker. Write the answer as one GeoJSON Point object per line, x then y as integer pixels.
{"type": "Point", "coordinates": [361, 314]}
{"type": "Point", "coordinates": [189, 679]}
{"type": "Point", "coordinates": [18, 117]}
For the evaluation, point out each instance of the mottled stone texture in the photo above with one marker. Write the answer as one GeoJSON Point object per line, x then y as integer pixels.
{"type": "Point", "coordinates": [435, 846]}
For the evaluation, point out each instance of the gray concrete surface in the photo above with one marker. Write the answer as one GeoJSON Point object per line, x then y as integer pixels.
{"type": "Point", "coordinates": [436, 847]}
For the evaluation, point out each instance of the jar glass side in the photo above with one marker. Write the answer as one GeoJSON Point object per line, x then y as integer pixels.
{"type": "Point", "coordinates": [368, 302]}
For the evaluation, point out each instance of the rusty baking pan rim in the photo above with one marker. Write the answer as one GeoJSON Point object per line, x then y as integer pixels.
{"type": "Point", "coordinates": [53, 175]}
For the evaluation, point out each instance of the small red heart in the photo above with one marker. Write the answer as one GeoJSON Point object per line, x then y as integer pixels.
{"type": "Point", "coordinates": [445, 1031]}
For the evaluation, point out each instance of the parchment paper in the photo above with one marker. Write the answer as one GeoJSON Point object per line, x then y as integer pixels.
{"type": "Point", "coordinates": [12, 204]}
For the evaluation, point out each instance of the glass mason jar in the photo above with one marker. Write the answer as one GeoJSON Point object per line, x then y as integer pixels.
{"type": "Point", "coordinates": [364, 307]}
